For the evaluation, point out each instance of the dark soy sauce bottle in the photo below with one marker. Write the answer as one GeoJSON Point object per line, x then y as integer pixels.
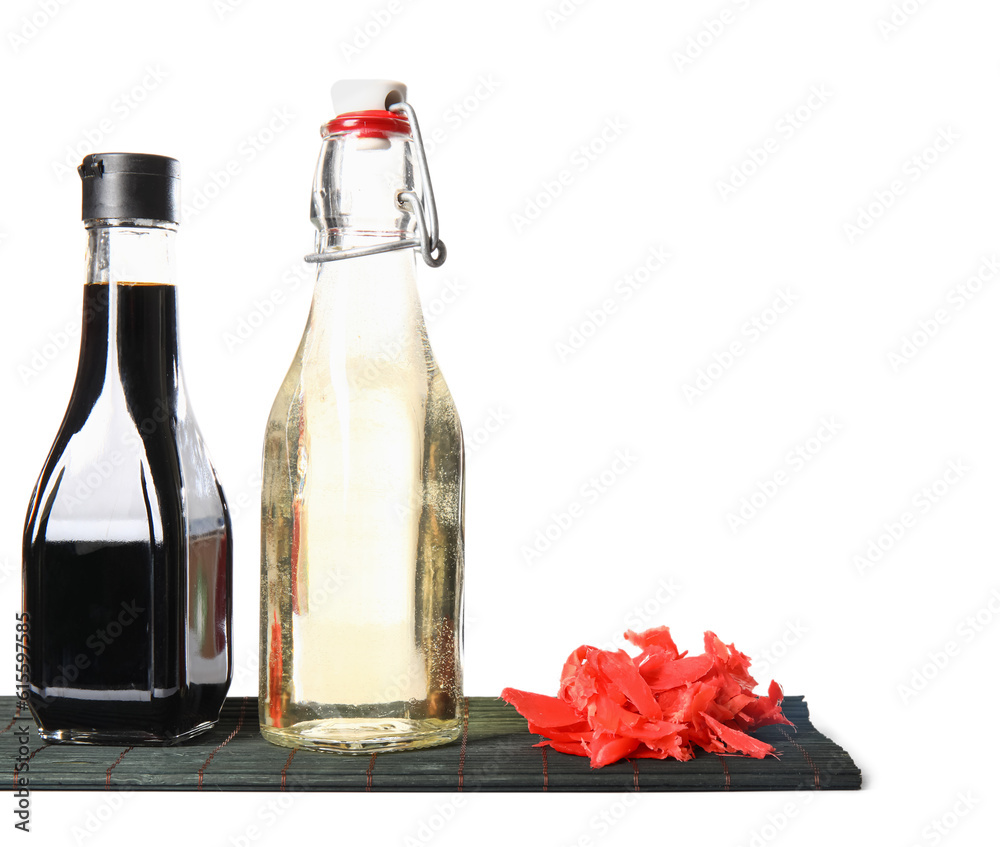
{"type": "Point", "coordinates": [127, 559]}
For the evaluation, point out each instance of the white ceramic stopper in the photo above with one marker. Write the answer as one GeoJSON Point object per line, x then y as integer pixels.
{"type": "Point", "coordinates": [361, 95]}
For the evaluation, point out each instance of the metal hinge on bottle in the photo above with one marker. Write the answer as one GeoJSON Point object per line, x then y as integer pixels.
{"type": "Point", "coordinates": [424, 208]}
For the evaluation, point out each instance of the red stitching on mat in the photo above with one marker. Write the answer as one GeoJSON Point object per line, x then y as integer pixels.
{"type": "Point", "coordinates": [805, 755]}
{"type": "Point", "coordinates": [30, 757]}
{"type": "Point", "coordinates": [13, 720]}
{"type": "Point", "coordinates": [635, 774]}
{"type": "Point", "coordinates": [545, 770]}
{"type": "Point", "coordinates": [232, 735]}
{"type": "Point", "coordinates": [725, 770]}
{"type": "Point", "coordinates": [107, 773]}
{"type": "Point", "coordinates": [284, 770]}
{"type": "Point", "coordinates": [370, 772]}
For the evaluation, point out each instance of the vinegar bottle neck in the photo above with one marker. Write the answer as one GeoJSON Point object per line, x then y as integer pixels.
{"type": "Point", "coordinates": [359, 176]}
{"type": "Point", "coordinates": [365, 305]}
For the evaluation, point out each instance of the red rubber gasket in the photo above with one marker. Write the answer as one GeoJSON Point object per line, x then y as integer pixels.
{"type": "Point", "coordinates": [376, 123]}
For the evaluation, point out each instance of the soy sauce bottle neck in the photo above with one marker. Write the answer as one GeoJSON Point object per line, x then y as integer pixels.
{"type": "Point", "coordinates": [131, 208]}
{"type": "Point", "coordinates": [131, 252]}
{"type": "Point", "coordinates": [130, 313]}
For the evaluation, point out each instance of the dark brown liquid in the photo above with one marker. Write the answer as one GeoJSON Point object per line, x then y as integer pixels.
{"type": "Point", "coordinates": [118, 625]}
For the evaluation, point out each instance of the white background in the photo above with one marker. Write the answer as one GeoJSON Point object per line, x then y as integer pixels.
{"type": "Point", "coordinates": [515, 93]}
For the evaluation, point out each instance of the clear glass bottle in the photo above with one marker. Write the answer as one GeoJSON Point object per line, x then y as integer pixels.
{"type": "Point", "coordinates": [362, 543]}
{"type": "Point", "coordinates": [127, 544]}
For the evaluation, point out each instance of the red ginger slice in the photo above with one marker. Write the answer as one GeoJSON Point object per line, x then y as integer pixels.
{"type": "Point", "coordinates": [619, 668]}
{"type": "Point", "coordinates": [661, 673]}
{"type": "Point", "coordinates": [608, 748]}
{"type": "Point", "coordinates": [764, 711]}
{"type": "Point", "coordinates": [579, 681]}
{"type": "Point", "coordinates": [730, 660]}
{"type": "Point", "coordinates": [574, 748]}
{"type": "Point", "coordinates": [657, 639]}
{"type": "Point", "coordinates": [575, 732]}
{"type": "Point", "coordinates": [672, 748]}
{"type": "Point", "coordinates": [541, 709]}
{"type": "Point", "coordinates": [736, 741]}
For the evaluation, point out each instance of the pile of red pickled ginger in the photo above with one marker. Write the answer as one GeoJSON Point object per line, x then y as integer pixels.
{"type": "Point", "coordinates": [656, 705]}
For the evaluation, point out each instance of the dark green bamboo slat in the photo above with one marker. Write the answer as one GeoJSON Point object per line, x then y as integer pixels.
{"type": "Point", "coordinates": [495, 754]}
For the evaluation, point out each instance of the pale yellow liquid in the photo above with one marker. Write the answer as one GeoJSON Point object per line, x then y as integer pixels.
{"type": "Point", "coordinates": [362, 511]}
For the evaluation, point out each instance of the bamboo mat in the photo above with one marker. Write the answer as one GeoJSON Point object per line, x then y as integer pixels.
{"type": "Point", "coordinates": [495, 753]}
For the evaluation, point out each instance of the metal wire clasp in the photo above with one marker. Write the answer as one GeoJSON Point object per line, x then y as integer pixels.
{"type": "Point", "coordinates": [424, 208]}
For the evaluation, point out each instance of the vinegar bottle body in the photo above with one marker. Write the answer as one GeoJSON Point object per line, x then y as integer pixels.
{"type": "Point", "coordinates": [362, 551]}
{"type": "Point", "coordinates": [127, 552]}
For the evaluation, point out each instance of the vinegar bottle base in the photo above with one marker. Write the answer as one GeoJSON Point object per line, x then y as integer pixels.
{"type": "Point", "coordinates": [364, 735]}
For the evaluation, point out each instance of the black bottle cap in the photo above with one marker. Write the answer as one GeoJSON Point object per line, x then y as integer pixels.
{"type": "Point", "coordinates": [131, 185]}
